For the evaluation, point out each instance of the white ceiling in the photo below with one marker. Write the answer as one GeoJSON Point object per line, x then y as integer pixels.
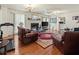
{"type": "Point", "coordinates": [46, 8]}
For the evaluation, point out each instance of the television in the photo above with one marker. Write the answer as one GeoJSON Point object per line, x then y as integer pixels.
{"type": "Point", "coordinates": [44, 23]}
{"type": "Point", "coordinates": [76, 29]}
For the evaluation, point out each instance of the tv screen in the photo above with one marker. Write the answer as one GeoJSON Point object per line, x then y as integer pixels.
{"type": "Point", "coordinates": [44, 23]}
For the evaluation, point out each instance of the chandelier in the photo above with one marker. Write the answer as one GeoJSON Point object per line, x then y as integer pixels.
{"type": "Point", "coordinates": [31, 11]}
{"type": "Point", "coordinates": [28, 7]}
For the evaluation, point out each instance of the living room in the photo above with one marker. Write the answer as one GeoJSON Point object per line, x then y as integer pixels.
{"type": "Point", "coordinates": [39, 29]}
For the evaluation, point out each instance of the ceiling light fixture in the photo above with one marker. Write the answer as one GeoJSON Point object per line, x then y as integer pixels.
{"type": "Point", "coordinates": [30, 10]}
{"type": "Point", "coordinates": [28, 7]}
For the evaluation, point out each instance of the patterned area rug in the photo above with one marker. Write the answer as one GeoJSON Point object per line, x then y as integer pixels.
{"type": "Point", "coordinates": [44, 43]}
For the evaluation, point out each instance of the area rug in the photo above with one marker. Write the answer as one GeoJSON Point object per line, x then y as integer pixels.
{"type": "Point", "coordinates": [45, 36]}
{"type": "Point", "coordinates": [44, 43]}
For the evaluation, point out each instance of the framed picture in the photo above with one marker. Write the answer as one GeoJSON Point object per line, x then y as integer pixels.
{"type": "Point", "coordinates": [75, 18]}
{"type": "Point", "coordinates": [62, 20]}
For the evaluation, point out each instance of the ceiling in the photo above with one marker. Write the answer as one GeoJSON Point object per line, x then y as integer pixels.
{"type": "Point", "coordinates": [46, 8]}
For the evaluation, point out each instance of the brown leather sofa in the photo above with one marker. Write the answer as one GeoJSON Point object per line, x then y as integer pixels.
{"type": "Point", "coordinates": [69, 43]}
{"type": "Point", "coordinates": [26, 36]}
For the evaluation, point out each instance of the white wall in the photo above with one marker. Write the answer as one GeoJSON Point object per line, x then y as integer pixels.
{"type": "Point", "coordinates": [69, 22]}
{"type": "Point", "coordinates": [28, 22]}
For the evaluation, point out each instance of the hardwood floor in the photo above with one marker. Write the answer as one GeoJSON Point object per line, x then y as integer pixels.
{"type": "Point", "coordinates": [35, 49]}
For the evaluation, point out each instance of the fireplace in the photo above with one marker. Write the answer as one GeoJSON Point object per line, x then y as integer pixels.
{"type": "Point", "coordinates": [45, 25]}
{"type": "Point", "coordinates": [34, 26]}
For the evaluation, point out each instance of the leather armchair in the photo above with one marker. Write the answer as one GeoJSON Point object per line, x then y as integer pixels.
{"type": "Point", "coordinates": [26, 36]}
{"type": "Point", "coordinates": [30, 37]}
